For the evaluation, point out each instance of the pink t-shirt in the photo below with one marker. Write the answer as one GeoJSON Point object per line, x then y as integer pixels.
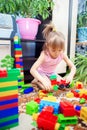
{"type": "Point", "coordinates": [49, 64]}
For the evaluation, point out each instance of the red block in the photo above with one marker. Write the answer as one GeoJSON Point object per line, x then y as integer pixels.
{"type": "Point", "coordinates": [54, 82]}
{"type": "Point", "coordinates": [67, 109]}
{"type": "Point", "coordinates": [18, 52]}
{"type": "Point", "coordinates": [46, 120]}
{"type": "Point", "coordinates": [75, 93]}
{"type": "Point", "coordinates": [48, 109]}
{"type": "Point", "coordinates": [37, 100]}
{"type": "Point", "coordinates": [3, 73]}
{"type": "Point", "coordinates": [8, 97]}
{"type": "Point", "coordinates": [7, 106]}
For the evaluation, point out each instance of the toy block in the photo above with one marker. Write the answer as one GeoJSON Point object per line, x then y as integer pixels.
{"type": "Point", "coordinates": [9, 126]}
{"type": "Point", "coordinates": [8, 93]}
{"type": "Point", "coordinates": [8, 84]}
{"type": "Point", "coordinates": [69, 95]}
{"type": "Point", "coordinates": [82, 101]}
{"type": "Point", "coordinates": [62, 127]}
{"type": "Point", "coordinates": [7, 106]}
{"type": "Point", "coordinates": [8, 123]}
{"type": "Point", "coordinates": [84, 96]}
{"type": "Point", "coordinates": [3, 73]}
{"type": "Point", "coordinates": [46, 120]}
{"type": "Point", "coordinates": [48, 109]}
{"type": "Point", "coordinates": [35, 116]}
{"type": "Point", "coordinates": [77, 107]}
{"type": "Point", "coordinates": [28, 90]}
{"type": "Point", "coordinates": [52, 77]}
{"type": "Point", "coordinates": [75, 93]}
{"type": "Point", "coordinates": [55, 87]}
{"type": "Point", "coordinates": [37, 100]}
{"type": "Point", "coordinates": [26, 85]}
{"type": "Point", "coordinates": [57, 125]}
{"type": "Point", "coordinates": [8, 97]}
{"type": "Point", "coordinates": [44, 103]}
{"type": "Point", "coordinates": [9, 118]}
{"type": "Point", "coordinates": [8, 101]}
{"type": "Point", "coordinates": [8, 112]}
{"type": "Point", "coordinates": [79, 85]}
{"type": "Point", "coordinates": [3, 89]}
{"type": "Point", "coordinates": [83, 113]}
{"type": "Point", "coordinates": [50, 98]}
{"type": "Point", "coordinates": [17, 46]}
{"type": "Point", "coordinates": [67, 120]}
{"type": "Point", "coordinates": [62, 84]}
{"type": "Point", "coordinates": [18, 52]}
{"type": "Point", "coordinates": [67, 109]}
{"type": "Point", "coordinates": [53, 82]}
{"type": "Point", "coordinates": [31, 107]}
{"type": "Point", "coordinates": [12, 72]}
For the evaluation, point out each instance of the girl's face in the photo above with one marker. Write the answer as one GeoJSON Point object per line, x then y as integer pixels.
{"type": "Point", "coordinates": [54, 53]}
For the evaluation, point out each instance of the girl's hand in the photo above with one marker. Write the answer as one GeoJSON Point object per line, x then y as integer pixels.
{"type": "Point", "coordinates": [68, 78]}
{"type": "Point", "coordinates": [47, 84]}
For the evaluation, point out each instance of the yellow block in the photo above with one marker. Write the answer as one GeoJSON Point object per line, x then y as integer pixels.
{"type": "Point", "coordinates": [35, 116]}
{"type": "Point", "coordinates": [69, 95]}
{"type": "Point", "coordinates": [57, 126]}
{"type": "Point", "coordinates": [7, 84]}
{"type": "Point", "coordinates": [20, 55]}
{"type": "Point", "coordinates": [83, 113]}
{"type": "Point", "coordinates": [8, 93]}
{"type": "Point", "coordinates": [50, 98]}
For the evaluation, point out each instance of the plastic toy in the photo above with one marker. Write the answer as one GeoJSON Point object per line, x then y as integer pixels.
{"type": "Point", "coordinates": [63, 84]}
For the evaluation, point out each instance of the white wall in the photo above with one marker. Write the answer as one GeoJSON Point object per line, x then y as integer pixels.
{"type": "Point", "coordinates": [60, 20]}
{"type": "Point", "coordinates": [5, 48]}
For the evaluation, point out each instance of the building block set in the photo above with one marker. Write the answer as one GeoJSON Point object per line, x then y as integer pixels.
{"type": "Point", "coordinates": [8, 98]}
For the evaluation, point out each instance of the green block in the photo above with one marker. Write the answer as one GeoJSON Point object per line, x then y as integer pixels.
{"type": "Point", "coordinates": [9, 118]}
{"type": "Point", "coordinates": [18, 49]}
{"type": "Point", "coordinates": [21, 83]}
{"type": "Point", "coordinates": [50, 94]}
{"type": "Point", "coordinates": [3, 89]}
{"type": "Point", "coordinates": [21, 77]}
{"type": "Point", "coordinates": [21, 91]}
{"type": "Point", "coordinates": [32, 107]}
{"type": "Point", "coordinates": [53, 77]}
{"type": "Point", "coordinates": [9, 126]}
{"type": "Point", "coordinates": [55, 87]}
{"type": "Point", "coordinates": [72, 84]}
{"type": "Point", "coordinates": [67, 120]}
{"type": "Point", "coordinates": [7, 79]}
{"type": "Point", "coordinates": [26, 85]}
{"type": "Point", "coordinates": [14, 72]}
{"type": "Point", "coordinates": [62, 127]}
{"type": "Point", "coordinates": [82, 101]}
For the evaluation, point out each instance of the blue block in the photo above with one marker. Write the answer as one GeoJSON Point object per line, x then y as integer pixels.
{"type": "Point", "coordinates": [78, 107]}
{"type": "Point", "coordinates": [44, 103]}
{"type": "Point", "coordinates": [8, 112]}
{"type": "Point", "coordinates": [21, 62]}
{"type": "Point", "coordinates": [8, 123]}
{"type": "Point", "coordinates": [28, 90]}
{"type": "Point", "coordinates": [17, 46]}
{"type": "Point", "coordinates": [8, 101]}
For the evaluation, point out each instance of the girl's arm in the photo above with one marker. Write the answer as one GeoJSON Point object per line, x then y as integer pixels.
{"type": "Point", "coordinates": [72, 67]}
{"type": "Point", "coordinates": [33, 69]}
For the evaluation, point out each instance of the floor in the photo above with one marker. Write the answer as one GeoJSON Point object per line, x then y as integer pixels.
{"type": "Point", "coordinates": [25, 123]}
{"type": "Point", "coordinates": [25, 120]}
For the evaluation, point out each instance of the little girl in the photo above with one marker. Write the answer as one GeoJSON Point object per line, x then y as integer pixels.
{"type": "Point", "coordinates": [50, 57]}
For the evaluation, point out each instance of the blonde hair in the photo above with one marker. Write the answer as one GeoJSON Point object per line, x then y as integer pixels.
{"type": "Point", "coordinates": [53, 38]}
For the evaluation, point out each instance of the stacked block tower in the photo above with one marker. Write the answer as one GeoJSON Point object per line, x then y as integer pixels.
{"type": "Point", "coordinates": [18, 53]}
{"type": "Point", "coordinates": [8, 98]}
